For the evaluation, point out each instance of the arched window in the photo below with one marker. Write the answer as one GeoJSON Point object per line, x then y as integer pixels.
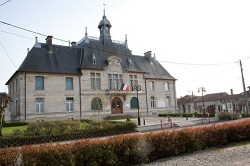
{"type": "Point", "coordinates": [133, 102]}
{"type": "Point", "coordinates": [96, 104]}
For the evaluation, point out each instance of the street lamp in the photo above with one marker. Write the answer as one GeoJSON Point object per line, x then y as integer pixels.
{"type": "Point", "coordinates": [202, 89]}
{"type": "Point", "coordinates": [138, 88]}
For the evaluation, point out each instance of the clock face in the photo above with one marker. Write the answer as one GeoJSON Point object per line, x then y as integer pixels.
{"type": "Point", "coordinates": [106, 28]}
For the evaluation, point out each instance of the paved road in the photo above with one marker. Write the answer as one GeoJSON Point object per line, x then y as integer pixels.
{"type": "Point", "coordinates": [231, 155]}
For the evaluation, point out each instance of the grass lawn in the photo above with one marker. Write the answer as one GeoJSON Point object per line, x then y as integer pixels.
{"type": "Point", "coordinates": [9, 130]}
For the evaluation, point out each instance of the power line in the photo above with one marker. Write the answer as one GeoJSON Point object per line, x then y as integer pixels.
{"type": "Point", "coordinates": [178, 63]}
{"type": "Point", "coordinates": [16, 34]}
{"type": "Point", "coordinates": [18, 27]}
{"type": "Point", "coordinates": [5, 2]}
{"type": "Point", "coordinates": [198, 64]}
{"type": "Point", "coordinates": [8, 55]}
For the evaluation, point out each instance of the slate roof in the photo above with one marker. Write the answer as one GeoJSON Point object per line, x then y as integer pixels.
{"type": "Point", "coordinates": [63, 59]}
{"type": "Point", "coordinates": [151, 67]}
{"type": "Point", "coordinates": [217, 96]}
{"type": "Point", "coordinates": [69, 60]}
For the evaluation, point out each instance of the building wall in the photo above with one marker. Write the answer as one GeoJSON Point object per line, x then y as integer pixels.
{"type": "Point", "coordinates": [55, 94]}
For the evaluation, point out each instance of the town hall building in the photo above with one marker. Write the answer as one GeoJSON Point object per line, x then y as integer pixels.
{"type": "Point", "coordinates": [95, 77]}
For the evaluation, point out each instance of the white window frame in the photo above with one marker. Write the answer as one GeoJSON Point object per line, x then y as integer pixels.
{"type": "Point", "coordinates": [167, 86]}
{"type": "Point", "coordinates": [152, 85]}
{"type": "Point", "coordinates": [152, 102]}
{"type": "Point", "coordinates": [115, 81]}
{"type": "Point", "coordinates": [69, 104]}
{"type": "Point", "coordinates": [40, 104]}
{"type": "Point", "coordinates": [95, 81]}
{"type": "Point", "coordinates": [168, 101]}
{"type": "Point", "coordinates": [133, 80]}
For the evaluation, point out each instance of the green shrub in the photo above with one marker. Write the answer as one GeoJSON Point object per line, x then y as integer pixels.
{"type": "Point", "coordinates": [227, 116]}
{"type": "Point", "coordinates": [129, 149]}
{"type": "Point", "coordinates": [14, 124]}
{"type": "Point", "coordinates": [34, 128]}
{"type": "Point", "coordinates": [180, 115]}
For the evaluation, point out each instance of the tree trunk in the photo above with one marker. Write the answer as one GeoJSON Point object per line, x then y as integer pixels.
{"type": "Point", "coordinates": [1, 124]}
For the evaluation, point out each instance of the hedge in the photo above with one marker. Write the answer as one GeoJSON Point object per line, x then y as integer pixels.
{"type": "Point", "coordinates": [94, 131]}
{"type": "Point", "coordinates": [129, 149]}
{"type": "Point", "coordinates": [180, 115]}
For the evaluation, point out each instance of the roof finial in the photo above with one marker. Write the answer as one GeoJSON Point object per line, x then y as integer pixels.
{"type": "Point", "coordinates": [86, 40]}
{"type": "Point", "coordinates": [104, 10]}
{"type": "Point", "coordinates": [126, 41]}
{"type": "Point", "coordinates": [86, 31]}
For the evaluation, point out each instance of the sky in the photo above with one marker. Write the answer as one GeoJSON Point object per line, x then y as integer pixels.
{"type": "Point", "coordinates": [199, 42]}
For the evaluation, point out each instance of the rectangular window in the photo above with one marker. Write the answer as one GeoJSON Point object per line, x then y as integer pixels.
{"type": "Point", "coordinates": [167, 86]}
{"type": "Point", "coordinates": [95, 81]}
{"type": "Point", "coordinates": [69, 104]}
{"type": "Point", "coordinates": [152, 102]}
{"type": "Point", "coordinates": [10, 90]}
{"type": "Point", "coordinates": [69, 83]}
{"type": "Point", "coordinates": [39, 105]}
{"type": "Point", "coordinates": [168, 101]}
{"type": "Point", "coordinates": [152, 85]}
{"type": "Point", "coordinates": [39, 82]}
{"type": "Point", "coordinates": [13, 88]}
{"type": "Point", "coordinates": [115, 81]}
{"type": "Point", "coordinates": [16, 84]}
{"type": "Point", "coordinates": [133, 81]}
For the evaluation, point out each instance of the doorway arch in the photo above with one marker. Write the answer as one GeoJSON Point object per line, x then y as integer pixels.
{"type": "Point", "coordinates": [116, 106]}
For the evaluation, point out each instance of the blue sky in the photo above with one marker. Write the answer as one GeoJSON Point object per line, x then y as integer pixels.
{"type": "Point", "coordinates": [182, 34]}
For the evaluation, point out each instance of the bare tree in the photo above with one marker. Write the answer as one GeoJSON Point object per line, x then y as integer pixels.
{"type": "Point", "coordinates": [5, 99]}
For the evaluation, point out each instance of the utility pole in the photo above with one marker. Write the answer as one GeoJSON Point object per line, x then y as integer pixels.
{"type": "Point", "coordinates": [244, 88]}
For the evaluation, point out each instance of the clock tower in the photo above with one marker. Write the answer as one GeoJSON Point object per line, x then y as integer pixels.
{"type": "Point", "coordinates": [104, 27]}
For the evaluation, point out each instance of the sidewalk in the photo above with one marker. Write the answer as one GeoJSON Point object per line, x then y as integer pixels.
{"type": "Point", "coordinates": [163, 123]}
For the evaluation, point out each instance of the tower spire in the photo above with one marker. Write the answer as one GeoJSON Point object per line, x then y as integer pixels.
{"type": "Point", "coordinates": [104, 10]}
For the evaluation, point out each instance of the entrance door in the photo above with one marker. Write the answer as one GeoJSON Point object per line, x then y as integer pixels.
{"type": "Point", "coordinates": [116, 106]}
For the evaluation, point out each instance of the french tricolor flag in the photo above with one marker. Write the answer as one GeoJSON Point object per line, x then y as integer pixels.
{"type": "Point", "coordinates": [125, 87]}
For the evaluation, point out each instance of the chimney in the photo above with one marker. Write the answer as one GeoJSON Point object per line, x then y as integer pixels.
{"type": "Point", "coordinates": [231, 91]}
{"type": "Point", "coordinates": [73, 44]}
{"type": "Point", "coordinates": [148, 54]}
{"type": "Point", "coordinates": [49, 43]}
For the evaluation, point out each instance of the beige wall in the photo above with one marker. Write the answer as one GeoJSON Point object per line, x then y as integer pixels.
{"type": "Point", "coordinates": [55, 95]}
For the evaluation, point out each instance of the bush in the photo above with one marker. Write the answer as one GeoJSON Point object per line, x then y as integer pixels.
{"type": "Point", "coordinates": [227, 116]}
{"type": "Point", "coordinates": [180, 115]}
{"type": "Point", "coordinates": [14, 124]}
{"type": "Point", "coordinates": [52, 127]}
{"type": "Point", "coordinates": [129, 149]}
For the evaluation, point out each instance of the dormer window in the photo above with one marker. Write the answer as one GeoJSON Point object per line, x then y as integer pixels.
{"type": "Point", "coordinates": [130, 62]}
{"type": "Point", "coordinates": [93, 59]}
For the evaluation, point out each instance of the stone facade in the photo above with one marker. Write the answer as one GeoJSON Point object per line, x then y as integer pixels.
{"type": "Point", "coordinates": [96, 72]}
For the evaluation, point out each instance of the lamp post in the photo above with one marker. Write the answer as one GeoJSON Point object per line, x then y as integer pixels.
{"type": "Point", "coordinates": [138, 88]}
{"type": "Point", "coordinates": [202, 89]}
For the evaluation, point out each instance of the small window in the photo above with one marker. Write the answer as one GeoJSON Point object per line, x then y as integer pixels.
{"type": "Point", "coordinates": [167, 86]}
{"type": "Point", "coordinates": [152, 85]}
{"type": "Point", "coordinates": [134, 103]}
{"type": "Point", "coordinates": [39, 105]}
{"type": "Point", "coordinates": [16, 85]}
{"type": "Point", "coordinates": [93, 59]}
{"type": "Point", "coordinates": [69, 83]}
{"type": "Point", "coordinates": [152, 102]}
{"type": "Point", "coordinates": [69, 104]}
{"type": "Point", "coordinates": [168, 101]}
{"type": "Point", "coordinates": [39, 82]}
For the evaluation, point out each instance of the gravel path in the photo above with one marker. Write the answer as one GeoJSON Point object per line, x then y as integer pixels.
{"type": "Point", "coordinates": [232, 155]}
